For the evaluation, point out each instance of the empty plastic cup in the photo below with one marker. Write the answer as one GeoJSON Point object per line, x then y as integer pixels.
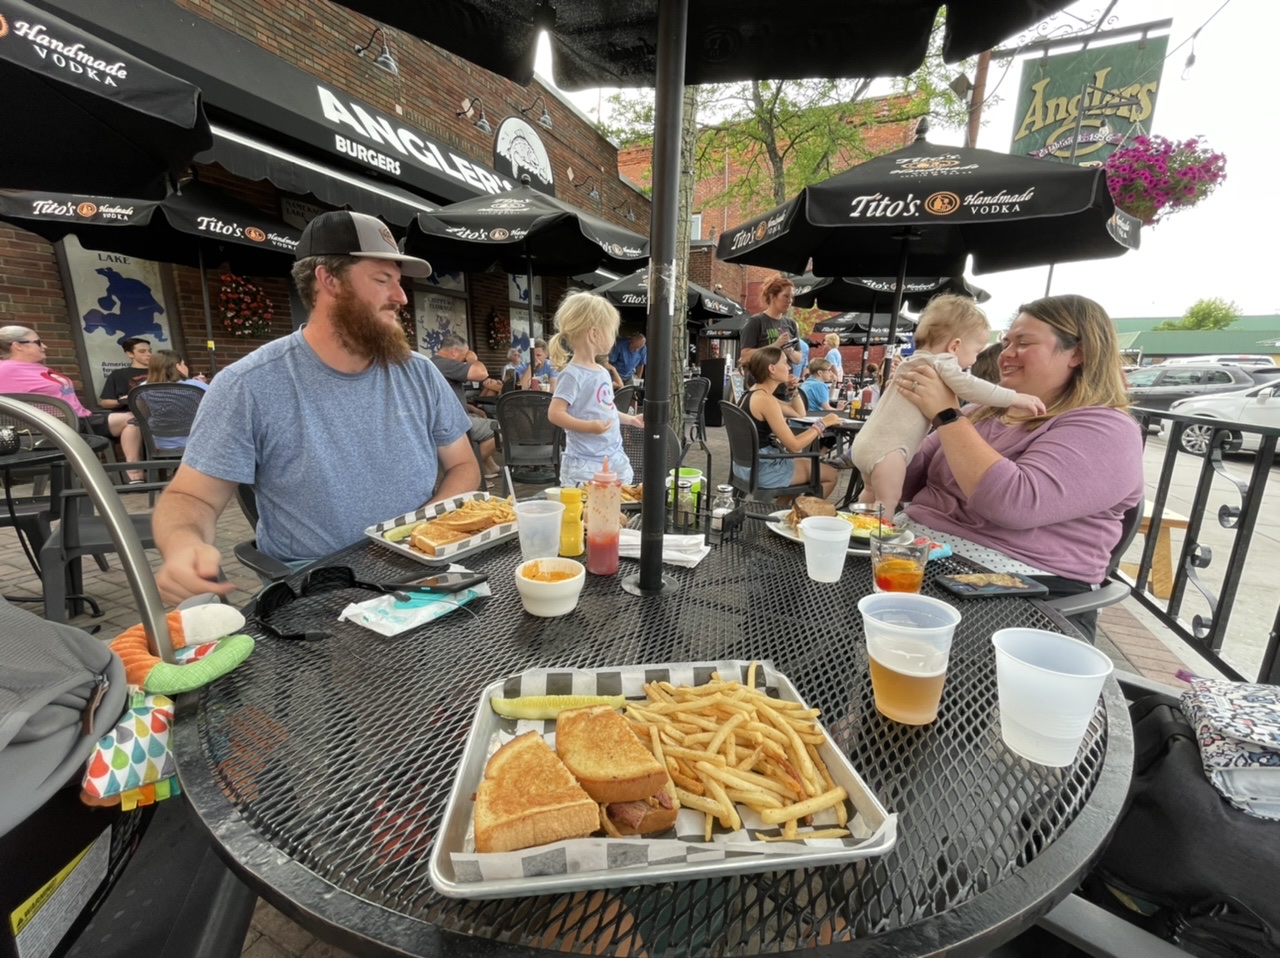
{"type": "Point", "coordinates": [826, 541]}
{"type": "Point", "coordinates": [1048, 686]}
{"type": "Point", "coordinates": [538, 526]}
{"type": "Point", "coordinates": [908, 645]}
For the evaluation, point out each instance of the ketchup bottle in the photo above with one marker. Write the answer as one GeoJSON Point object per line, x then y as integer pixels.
{"type": "Point", "coordinates": [604, 507]}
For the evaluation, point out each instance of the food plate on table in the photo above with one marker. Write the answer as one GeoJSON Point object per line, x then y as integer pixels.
{"type": "Point", "coordinates": [858, 545]}
{"type": "Point", "coordinates": [978, 585]}
{"type": "Point", "coordinates": [448, 530]}
{"type": "Point", "coordinates": [677, 853]}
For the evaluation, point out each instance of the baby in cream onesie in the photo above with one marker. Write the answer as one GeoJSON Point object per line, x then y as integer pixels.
{"type": "Point", "coordinates": [951, 332]}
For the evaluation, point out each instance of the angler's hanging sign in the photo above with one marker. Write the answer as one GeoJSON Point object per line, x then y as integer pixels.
{"type": "Point", "coordinates": [1125, 81]}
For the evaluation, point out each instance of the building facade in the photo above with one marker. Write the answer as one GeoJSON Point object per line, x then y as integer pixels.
{"type": "Point", "coordinates": [303, 123]}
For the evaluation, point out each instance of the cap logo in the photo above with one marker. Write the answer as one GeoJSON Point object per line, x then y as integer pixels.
{"type": "Point", "coordinates": [387, 237]}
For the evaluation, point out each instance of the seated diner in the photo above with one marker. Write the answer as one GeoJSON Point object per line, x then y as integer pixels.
{"type": "Point", "coordinates": [1025, 493]}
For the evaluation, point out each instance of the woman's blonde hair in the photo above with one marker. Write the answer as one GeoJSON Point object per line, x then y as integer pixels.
{"type": "Point", "coordinates": [1082, 325]}
{"type": "Point", "coordinates": [831, 340]}
{"type": "Point", "coordinates": [164, 367]}
{"type": "Point", "coordinates": [949, 317]}
{"type": "Point", "coordinates": [579, 313]}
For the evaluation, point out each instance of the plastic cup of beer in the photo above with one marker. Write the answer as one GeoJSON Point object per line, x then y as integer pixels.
{"type": "Point", "coordinates": [908, 644]}
{"type": "Point", "coordinates": [826, 543]}
{"type": "Point", "coordinates": [1048, 686]}
{"type": "Point", "coordinates": [898, 566]}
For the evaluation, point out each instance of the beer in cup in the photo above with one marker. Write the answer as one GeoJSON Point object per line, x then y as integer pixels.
{"type": "Point", "coordinates": [908, 643]}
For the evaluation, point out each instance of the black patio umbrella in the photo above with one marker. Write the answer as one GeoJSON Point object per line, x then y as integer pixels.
{"type": "Point", "coordinates": [646, 42]}
{"type": "Point", "coordinates": [926, 209]}
{"type": "Point", "coordinates": [523, 231]}
{"type": "Point", "coordinates": [597, 43]}
{"type": "Point", "coordinates": [81, 115]}
{"type": "Point", "coordinates": [197, 226]}
{"type": "Point", "coordinates": [864, 294]}
{"type": "Point", "coordinates": [631, 294]}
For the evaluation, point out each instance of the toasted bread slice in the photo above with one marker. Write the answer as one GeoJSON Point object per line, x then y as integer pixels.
{"type": "Point", "coordinates": [599, 747]}
{"type": "Point", "coordinates": [528, 797]}
{"type": "Point", "coordinates": [806, 506]}
{"type": "Point", "coordinates": [428, 537]}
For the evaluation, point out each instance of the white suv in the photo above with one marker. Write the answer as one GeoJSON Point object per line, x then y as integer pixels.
{"type": "Point", "coordinates": [1259, 406]}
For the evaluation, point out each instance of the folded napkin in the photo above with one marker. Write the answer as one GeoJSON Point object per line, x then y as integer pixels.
{"type": "Point", "coordinates": [687, 551]}
{"type": "Point", "coordinates": [390, 616]}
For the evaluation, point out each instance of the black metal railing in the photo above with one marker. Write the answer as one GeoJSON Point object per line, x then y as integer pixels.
{"type": "Point", "coordinates": [1235, 502]}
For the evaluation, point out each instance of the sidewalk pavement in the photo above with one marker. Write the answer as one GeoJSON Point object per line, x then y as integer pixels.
{"type": "Point", "coordinates": [1129, 643]}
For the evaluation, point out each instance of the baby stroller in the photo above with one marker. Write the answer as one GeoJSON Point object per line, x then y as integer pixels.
{"type": "Point", "coordinates": [71, 874]}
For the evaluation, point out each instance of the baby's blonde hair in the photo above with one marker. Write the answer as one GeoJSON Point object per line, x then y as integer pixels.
{"type": "Point", "coordinates": [579, 313]}
{"type": "Point", "coordinates": [949, 317]}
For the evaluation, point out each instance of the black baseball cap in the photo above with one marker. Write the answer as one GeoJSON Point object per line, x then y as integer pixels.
{"type": "Point", "coordinates": [343, 233]}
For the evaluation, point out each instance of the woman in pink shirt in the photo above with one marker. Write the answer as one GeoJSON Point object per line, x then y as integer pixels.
{"type": "Point", "coordinates": [23, 371]}
{"type": "Point", "coordinates": [1043, 495]}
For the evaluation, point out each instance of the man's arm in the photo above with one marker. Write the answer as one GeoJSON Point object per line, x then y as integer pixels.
{"type": "Point", "coordinates": [110, 398]}
{"type": "Point", "coordinates": [459, 471]}
{"type": "Point", "coordinates": [184, 525]}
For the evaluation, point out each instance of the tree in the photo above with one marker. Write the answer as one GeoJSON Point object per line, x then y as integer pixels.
{"type": "Point", "coordinates": [1216, 313]}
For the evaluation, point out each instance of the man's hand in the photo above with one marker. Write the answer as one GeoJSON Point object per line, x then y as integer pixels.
{"type": "Point", "coordinates": [191, 570]}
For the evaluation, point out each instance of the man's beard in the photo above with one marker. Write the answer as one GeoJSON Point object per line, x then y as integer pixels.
{"type": "Point", "coordinates": [362, 331]}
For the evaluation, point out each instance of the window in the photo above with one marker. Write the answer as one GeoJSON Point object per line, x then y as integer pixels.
{"type": "Point", "coordinates": [1143, 377]}
{"type": "Point", "coordinates": [1218, 376]}
{"type": "Point", "coordinates": [1181, 377]}
{"type": "Point", "coordinates": [695, 227]}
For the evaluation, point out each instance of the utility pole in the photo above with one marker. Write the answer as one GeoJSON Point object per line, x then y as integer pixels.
{"type": "Point", "coordinates": [976, 96]}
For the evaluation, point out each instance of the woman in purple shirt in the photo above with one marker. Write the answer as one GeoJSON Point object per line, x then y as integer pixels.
{"type": "Point", "coordinates": [1041, 495]}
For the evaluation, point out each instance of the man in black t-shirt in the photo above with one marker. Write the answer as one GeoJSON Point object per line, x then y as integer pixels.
{"type": "Point", "coordinates": [115, 391]}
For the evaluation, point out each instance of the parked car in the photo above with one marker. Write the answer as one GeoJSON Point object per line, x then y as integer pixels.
{"type": "Point", "coordinates": [1158, 387]}
{"type": "Point", "coordinates": [1235, 359]}
{"type": "Point", "coordinates": [1259, 406]}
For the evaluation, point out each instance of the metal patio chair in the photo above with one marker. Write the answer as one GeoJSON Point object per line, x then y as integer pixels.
{"type": "Point", "coordinates": [744, 450]}
{"type": "Point", "coordinates": [165, 412]}
{"type": "Point", "coordinates": [528, 437]}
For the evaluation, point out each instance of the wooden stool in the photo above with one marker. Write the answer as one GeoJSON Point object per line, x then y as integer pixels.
{"type": "Point", "coordinates": [1160, 582]}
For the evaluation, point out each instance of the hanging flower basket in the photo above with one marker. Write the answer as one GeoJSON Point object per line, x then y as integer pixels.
{"type": "Point", "coordinates": [1154, 177]}
{"type": "Point", "coordinates": [405, 315]}
{"type": "Point", "coordinates": [246, 310]}
{"type": "Point", "coordinates": [499, 332]}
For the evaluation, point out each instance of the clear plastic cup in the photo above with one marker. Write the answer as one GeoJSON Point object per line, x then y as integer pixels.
{"type": "Point", "coordinates": [538, 526]}
{"type": "Point", "coordinates": [826, 542]}
{"type": "Point", "coordinates": [1048, 686]}
{"type": "Point", "coordinates": [908, 645]}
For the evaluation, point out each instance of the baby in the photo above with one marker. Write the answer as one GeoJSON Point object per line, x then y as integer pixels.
{"type": "Point", "coordinates": [951, 332]}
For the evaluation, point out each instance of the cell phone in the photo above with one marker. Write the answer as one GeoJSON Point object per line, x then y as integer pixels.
{"type": "Point", "coordinates": [441, 582]}
{"type": "Point", "coordinates": [1026, 588]}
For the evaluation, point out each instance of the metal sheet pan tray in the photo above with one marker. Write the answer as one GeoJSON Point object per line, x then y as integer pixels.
{"type": "Point", "coordinates": [679, 855]}
{"type": "Point", "coordinates": [446, 553]}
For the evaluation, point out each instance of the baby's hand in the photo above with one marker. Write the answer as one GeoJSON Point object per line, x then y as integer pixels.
{"type": "Point", "coordinates": [1032, 404]}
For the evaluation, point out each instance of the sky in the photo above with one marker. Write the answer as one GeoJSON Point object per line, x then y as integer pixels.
{"type": "Point", "coordinates": [1220, 247]}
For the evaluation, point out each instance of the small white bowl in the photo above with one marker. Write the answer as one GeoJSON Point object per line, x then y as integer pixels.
{"type": "Point", "coordinates": [549, 599]}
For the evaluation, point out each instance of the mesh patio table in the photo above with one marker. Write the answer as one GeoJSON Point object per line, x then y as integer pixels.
{"type": "Point", "coordinates": [322, 769]}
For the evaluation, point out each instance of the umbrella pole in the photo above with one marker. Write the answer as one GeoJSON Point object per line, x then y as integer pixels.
{"type": "Point", "coordinates": [673, 31]}
{"type": "Point", "coordinates": [528, 279]}
{"type": "Point", "coordinates": [866, 343]}
{"type": "Point", "coordinates": [208, 314]}
{"type": "Point", "coordinates": [1048, 281]}
{"type": "Point", "coordinates": [890, 348]}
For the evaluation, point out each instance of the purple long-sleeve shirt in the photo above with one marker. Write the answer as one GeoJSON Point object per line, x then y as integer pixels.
{"type": "Point", "coordinates": [1056, 498]}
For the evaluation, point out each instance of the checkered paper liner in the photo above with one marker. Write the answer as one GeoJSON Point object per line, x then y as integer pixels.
{"type": "Point", "coordinates": [454, 550]}
{"type": "Point", "coordinates": [457, 870]}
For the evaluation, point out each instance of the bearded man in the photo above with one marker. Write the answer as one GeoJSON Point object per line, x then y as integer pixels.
{"type": "Point", "coordinates": [336, 427]}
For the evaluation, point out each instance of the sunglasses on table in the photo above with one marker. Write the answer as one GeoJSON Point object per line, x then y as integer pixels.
{"type": "Point", "coordinates": [278, 595]}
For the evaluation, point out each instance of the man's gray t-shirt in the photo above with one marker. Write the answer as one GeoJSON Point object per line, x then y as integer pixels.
{"type": "Point", "coordinates": [328, 453]}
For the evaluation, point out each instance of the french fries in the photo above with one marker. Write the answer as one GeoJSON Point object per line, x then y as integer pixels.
{"type": "Point", "coordinates": [727, 744]}
{"type": "Point", "coordinates": [473, 516]}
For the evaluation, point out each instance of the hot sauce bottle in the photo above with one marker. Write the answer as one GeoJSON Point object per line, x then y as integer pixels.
{"type": "Point", "coordinates": [604, 507]}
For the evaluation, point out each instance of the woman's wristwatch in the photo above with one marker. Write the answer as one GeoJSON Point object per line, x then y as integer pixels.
{"type": "Point", "coordinates": [946, 417]}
